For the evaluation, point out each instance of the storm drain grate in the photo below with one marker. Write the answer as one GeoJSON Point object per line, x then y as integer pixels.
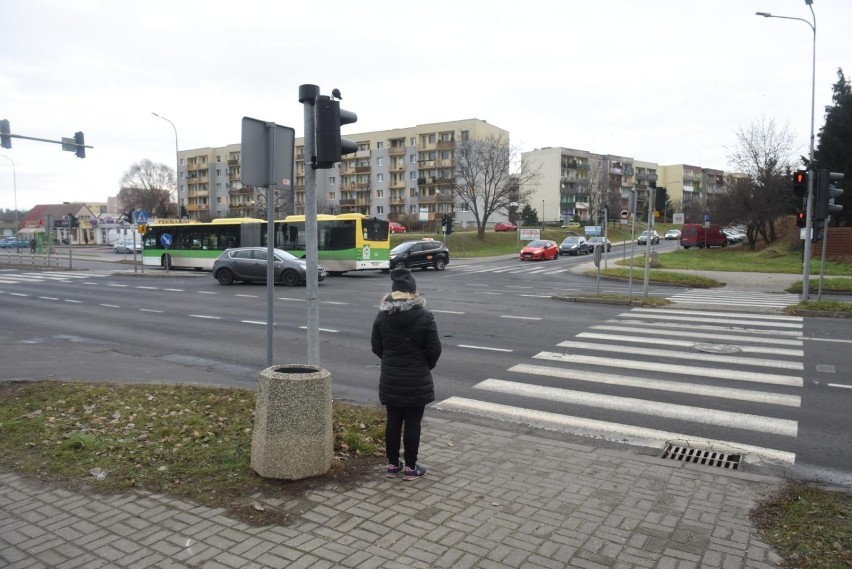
{"type": "Point", "coordinates": [705, 457]}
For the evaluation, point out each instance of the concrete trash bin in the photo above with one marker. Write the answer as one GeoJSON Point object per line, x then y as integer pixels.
{"type": "Point", "coordinates": [293, 437]}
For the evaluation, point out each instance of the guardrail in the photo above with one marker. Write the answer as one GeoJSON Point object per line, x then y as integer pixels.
{"type": "Point", "coordinates": [54, 258]}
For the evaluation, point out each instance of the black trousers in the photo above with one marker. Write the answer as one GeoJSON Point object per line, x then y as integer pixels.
{"type": "Point", "coordinates": [398, 417]}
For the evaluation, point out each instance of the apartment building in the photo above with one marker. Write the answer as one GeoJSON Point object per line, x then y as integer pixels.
{"type": "Point", "coordinates": [209, 183]}
{"type": "Point", "coordinates": [395, 174]}
{"type": "Point", "coordinates": [577, 184]}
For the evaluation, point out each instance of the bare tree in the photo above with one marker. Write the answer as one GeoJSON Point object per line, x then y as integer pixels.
{"type": "Point", "coordinates": [149, 186]}
{"type": "Point", "coordinates": [484, 181]}
{"type": "Point", "coordinates": [760, 193]}
{"type": "Point", "coordinates": [280, 202]}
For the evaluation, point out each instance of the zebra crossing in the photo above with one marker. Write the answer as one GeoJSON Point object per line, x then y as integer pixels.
{"type": "Point", "coordinates": [734, 297]}
{"type": "Point", "coordinates": [728, 381]}
{"type": "Point", "coordinates": [16, 276]}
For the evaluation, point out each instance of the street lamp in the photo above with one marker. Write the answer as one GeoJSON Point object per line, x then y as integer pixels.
{"type": "Point", "coordinates": [15, 191]}
{"type": "Point", "coordinates": [177, 166]}
{"type": "Point", "coordinates": [542, 218]}
{"type": "Point", "coordinates": [806, 264]}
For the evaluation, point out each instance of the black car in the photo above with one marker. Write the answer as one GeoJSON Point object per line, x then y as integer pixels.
{"type": "Point", "coordinates": [248, 264]}
{"type": "Point", "coordinates": [423, 253]}
{"type": "Point", "coordinates": [574, 245]}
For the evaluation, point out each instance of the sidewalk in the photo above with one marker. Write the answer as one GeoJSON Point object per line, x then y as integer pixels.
{"type": "Point", "coordinates": [493, 498]}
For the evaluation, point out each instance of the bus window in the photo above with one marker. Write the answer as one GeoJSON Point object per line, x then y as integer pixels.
{"type": "Point", "coordinates": [375, 229]}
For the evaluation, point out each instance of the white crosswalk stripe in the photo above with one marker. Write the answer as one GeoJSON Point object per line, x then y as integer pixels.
{"type": "Point", "coordinates": [634, 365]}
{"type": "Point", "coordinates": [17, 277]}
{"type": "Point", "coordinates": [727, 297]}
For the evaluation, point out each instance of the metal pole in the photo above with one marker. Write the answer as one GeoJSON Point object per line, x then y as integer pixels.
{"type": "Point", "coordinates": [822, 257]}
{"type": "Point", "coordinates": [307, 96]}
{"type": "Point", "coordinates": [806, 263]}
{"type": "Point", "coordinates": [270, 237]}
{"type": "Point", "coordinates": [177, 166]}
{"type": "Point", "coordinates": [15, 191]}
{"type": "Point", "coordinates": [632, 243]}
{"type": "Point", "coordinates": [651, 193]}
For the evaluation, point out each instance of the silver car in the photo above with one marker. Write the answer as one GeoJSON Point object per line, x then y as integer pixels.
{"type": "Point", "coordinates": [126, 246]}
{"type": "Point", "coordinates": [248, 264]}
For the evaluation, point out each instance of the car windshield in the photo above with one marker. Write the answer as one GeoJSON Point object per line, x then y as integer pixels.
{"type": "Point", "coordinates": [403, 247]}
{"type": "Point", "coordinates": [644, 234]}
{"type": "Point", "coordinates": [570, 240]}
{"type": "Point", "coordinates": [538, 243]}
{"type": "Point", "coordinates": [595, 239]}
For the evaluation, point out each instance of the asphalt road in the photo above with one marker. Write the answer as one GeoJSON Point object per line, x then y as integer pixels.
{"type": "Point", "coordinates": [768, 387]}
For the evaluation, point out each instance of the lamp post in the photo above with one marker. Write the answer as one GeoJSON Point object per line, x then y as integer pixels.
{"type": "Point", "coordinates": [542, 219]}
{"type": "Point", "coordinates": [806, 264]}
{"type": "Point", "coordinates": [177, 165]}
{"type": "Point", "coordinates": [15, 192]}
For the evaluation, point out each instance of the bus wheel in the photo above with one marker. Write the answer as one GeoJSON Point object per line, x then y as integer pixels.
{"type": "Point", "coordinates": [225, 277]}
{"type": "Point", "coordinates": [290, 278]}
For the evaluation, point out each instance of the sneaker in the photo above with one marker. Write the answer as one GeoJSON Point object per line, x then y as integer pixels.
{"type": "Point", "coordinates": [414, 473]}
{"type": "Point", "coordinates": [394, 469]}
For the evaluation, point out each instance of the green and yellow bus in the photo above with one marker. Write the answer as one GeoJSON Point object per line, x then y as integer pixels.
{"type": "Point", "coordinates": [347, 242]}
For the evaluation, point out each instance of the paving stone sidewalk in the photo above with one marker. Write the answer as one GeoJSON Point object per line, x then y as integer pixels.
{"type": "Point", "coordinates": [493, 498]}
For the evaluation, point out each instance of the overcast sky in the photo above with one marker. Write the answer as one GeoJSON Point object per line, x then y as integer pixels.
{"type": "Point", "coordinates": [667, 81]}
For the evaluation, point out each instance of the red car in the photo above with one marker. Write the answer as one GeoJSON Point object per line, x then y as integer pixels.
{"type": "Point", "coordinates": [505, 226]}
{"type": "Point", "coordinates": [540, 250]}
{"type": "Point", "coordinates": [396, 227]}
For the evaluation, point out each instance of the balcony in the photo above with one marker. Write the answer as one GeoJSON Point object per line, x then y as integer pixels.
{"type": "Point", "coordinates": [346, 202]}
{"type": "Point", "coordinates": [397, 201]}
{"type": "Point", "coordinates": [446, 144]}
{"type": "Point", "coordinates": [233, 162]}
{"type": "Point", "coordinates": [361, 153]}
{"type": "Point", "coordinates": [362, 169]}
{"type": "Point", "coordinates": [396, 150]}
{"type": "Point", "coordinates": [244, 190]}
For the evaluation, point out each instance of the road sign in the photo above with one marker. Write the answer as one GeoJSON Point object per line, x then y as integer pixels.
{"type": "Point", "coordinates": [140, 216]}
{"type": "Point", "coordinates": [166, 240]}
{"type": "Point", "coordinates": [529, 234]}
{"type": "Point", "coordinates": [677, 219]}
{"type": "Point", "coordinates": [256, 145]}
{"type": "Point", "coordinates": [624, 214]}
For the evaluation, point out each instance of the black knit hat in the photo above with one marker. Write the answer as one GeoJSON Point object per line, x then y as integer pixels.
{"type": "Point", "coordinates": [403, 280]}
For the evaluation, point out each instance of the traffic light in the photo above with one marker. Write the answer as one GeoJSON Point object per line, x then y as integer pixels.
{"type": "Point", "coordinates": [5, 139]}
{"type": "Point", "coordinates": [329, 146]}
{"type": "Point", "coordinates": [448, 224]}
{"type": "Point", "coordinates": [660, 198]}
{"type": "Point", "coordinates": [81, 145]}
{"type": "Point", "coordinates": [800, 183]}
{"type": "Point", "coordinates": [183, 212]}
{"type": "Point", "coordinates": [824, 204]}
{"type": "Point", "coordinates": [801, 220]}
{"type": "Point", "coordinates": [73, 221]}
{"type": "Point", "coordinates": [818, 228]}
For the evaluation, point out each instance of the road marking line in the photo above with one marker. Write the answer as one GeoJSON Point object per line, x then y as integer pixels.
{"type": "Point", "coordinates": [729, 337]}
{"type": "Point", "coordinates": [174, 289]}
{"type": "Point", "coordinates": [322, 329]}
{"type": "Point", "coordinates": [205, 292]}
{"type": "Point", "coordinates": [728, 321]}
{"type": "Point", "coordinates": [73, 301]}
{"type": "Point", "coordinates": [292, 299]}
{"type": "Point", "coordinates": [829, 340]}
{"type": "Point", "coordinates": [117, 285]}
{"type": "Point", "coordinates": [694, 356]}
{"type": "Point", "coordinates": [151, 310]}
{"type": "Point", "coordinates": [205, 316]}
{"type": "Point", "coordinates": [644, 339]}
{"type": "Point", "coordinates": [247, 295]}
{"type": "Point", "coordinates": [661, 385]}
{"type": "Point", "coordinates": [484, 348]}
{"type": "Point", "coordinates": [716, 328]}
{"type": "Point", "coordinates": [839, 385]}
{"type": "Point", "coordinates": [48, 298]}
{"type": "Point", "coordinates": [147, 287]}
{"type": "Point", "coordinates": [637, 436]}
{"type": "Point", "coordinates": [735, 374]}
{"type": "Point", "coordinates": [253, 322]}
{"type": "Point", "coordinates": [446, 311]}
{"type": "Point", "coordinates": [111, 305]}
{"type": "Point", "coordinates": [18, 294]}
{"type": "Point", "coordinates": [520, 317]}
{"type": "Point", "coordinates": [690, 413]}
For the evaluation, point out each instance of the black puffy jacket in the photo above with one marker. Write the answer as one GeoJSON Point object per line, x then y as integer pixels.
{"type": "Point", "coordinates": [405, 337]}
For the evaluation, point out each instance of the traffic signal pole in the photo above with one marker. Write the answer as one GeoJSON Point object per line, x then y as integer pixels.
{"type": "Point", "coordinates": [307, 96]}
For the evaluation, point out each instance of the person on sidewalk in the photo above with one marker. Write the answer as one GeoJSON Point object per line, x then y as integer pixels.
{"type": "Point", "coordinates": [405, 337]}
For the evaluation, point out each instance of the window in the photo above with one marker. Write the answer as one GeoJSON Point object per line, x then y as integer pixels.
{"type": "Point", "coordinates": [446, 137]}
{"type": "Point", "coordinates": [413, 141]}
{"type": "Point", "coordinates": [465, 135]}
{"type": "Point", "coordinates": [380, 177]}
{"type": "Point", "coordinates": [218, 172]}
{"type": "Point", "coordinates": [380, 209]}
{"type": "Point", "coordinates": [380, 193]}
{"type": "Point", "coordinates": [445, 155]}
{"type": "Point", "coordinates": [412, 175]}
{"type": "Point", "coordinates": [432, 139]}
{"type": "Point", "coordinates": [380, 145]}
{"type": "Point", "coordinates": [332, 180]}
{"type": "Point", "coordinates": [412, 158]}
{"type": "Point", "coordinates": [379, 160]}
{"type": "Point", "coordinates": [332, 196]}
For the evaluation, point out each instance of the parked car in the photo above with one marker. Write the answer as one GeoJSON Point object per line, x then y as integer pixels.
{"type": "Point", "coordinates": [643, 238]}
{"type": "Point", "coordinates": [505, 226]}
{"type": "Point", "coordinates": [600, 242]}
{"type": "Point", "coordinates": [574, 246]}
{"type": "Point", "coordinates": [397, 227]}
{"type": "Point", "coordinates": [672, 234]}
{"type": "Point", "coordinates": [540, 250]}
{"type": "Point", "coordinates": [423, 253]}
{"type": "Point", "coordinates": [12, 243]}
{"type": "Point", "coordinates": [734, 236]}
{"type": "Point", "coordinates": [126, 246]}
{"type": "Point", "coordinates": [248, 264]}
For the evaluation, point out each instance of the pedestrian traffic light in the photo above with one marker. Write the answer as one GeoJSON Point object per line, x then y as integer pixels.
{"type": "Point", "coordinates": [449, 224]}
{"type": "Point", "coordinates": [801, 220]}
{"type": "Point", "coordinates": [800, 183]}
{"type": "Point", "coordinates": [81, 145]}
{"type": "Point", "coordinates": [328, 119]}
{"type": "Point", "coordinates": [824, 204]}
{"type": "Point", "coordinates": [5, 139]}
{"type": "Point", "coordinates": [818, 229]}
{"type": "Point", "coordinates": [660, 198]}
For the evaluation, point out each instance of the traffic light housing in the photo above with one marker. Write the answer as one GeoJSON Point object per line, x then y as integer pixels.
{"type": "Point", "coordinates": [824, 204]}
{"type": "Point", "coordinates": [448, 224]}
{"type": "Point", "coordinates": [660, 198]}
{"type": "Point", "coordinates": [328, 119]}
{"type": "Point", "coordinates": [801, 219]}
{"type": "Point", "coordinates": [73, 221]}
{"type": "Point", "coordinates": [800, 183]}
{"type": "Point", "coordinates": [183, 212]}
{"type": "Point", "coordinates": [818, 229]}
{"type": "Point", "coordinates": [5, 131]}
{"type": "Point", "coordinates": [79, 140]}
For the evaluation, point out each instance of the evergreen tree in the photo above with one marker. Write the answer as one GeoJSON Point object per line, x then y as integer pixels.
{"type": "Point", "coordinates": [834, 151]}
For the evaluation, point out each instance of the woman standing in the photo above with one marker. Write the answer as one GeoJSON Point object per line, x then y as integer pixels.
{"type": "Point", "coordinates": [405, 337]}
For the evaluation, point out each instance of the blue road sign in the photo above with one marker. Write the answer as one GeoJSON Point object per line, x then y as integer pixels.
{"type": "Point", "coordinates": [706, 218]}
{"type": "Point", "coordinates": [141, 216]}
{"type": "Point", "coordinates": [166, 240]}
